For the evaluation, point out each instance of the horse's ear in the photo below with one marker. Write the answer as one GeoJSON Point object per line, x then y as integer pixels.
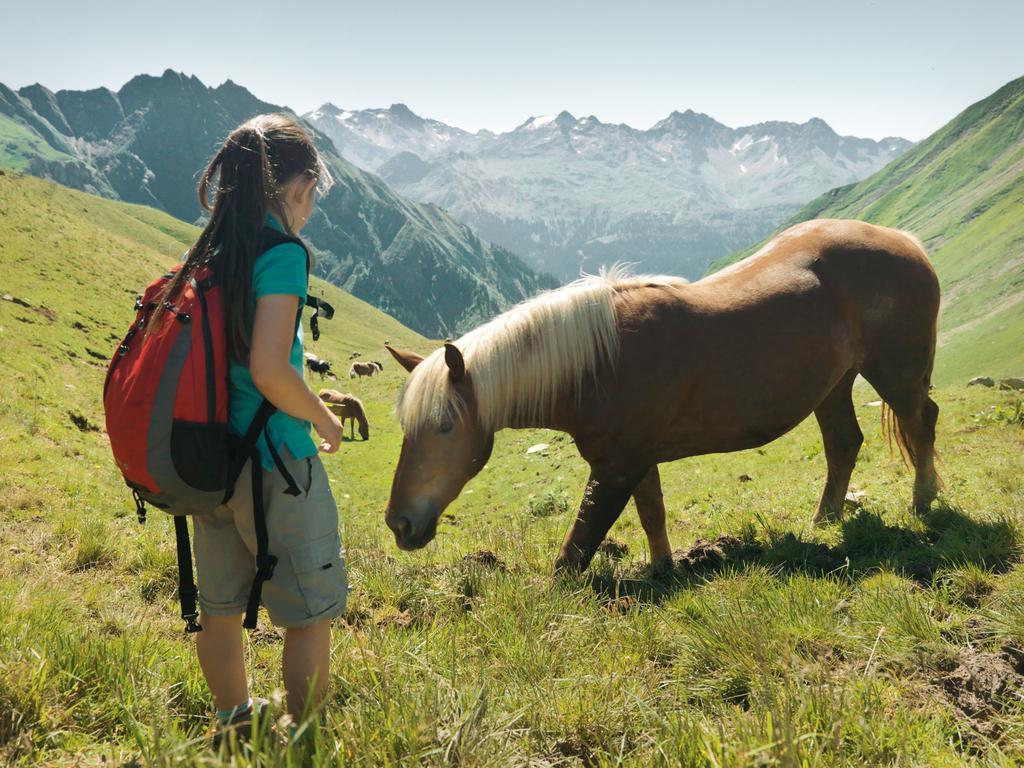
{"type": "Point", "coordinates": [456, 365]}
{"type": "Point", "coordinates": [407, 360]}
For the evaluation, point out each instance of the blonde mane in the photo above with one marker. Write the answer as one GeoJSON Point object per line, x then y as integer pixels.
{"type": "Point", "coordinates": [524, 359]}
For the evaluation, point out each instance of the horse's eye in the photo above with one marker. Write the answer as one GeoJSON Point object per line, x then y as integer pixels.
{"type": "Point", "coordinates": [445, 427]}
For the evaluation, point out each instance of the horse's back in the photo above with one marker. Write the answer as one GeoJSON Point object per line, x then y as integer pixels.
{"type": "Point", "coordinates": [844, 248]}
{"type": "Point", "coordinates": [740, 357]}
{"type": "Point", "coordinates": [866, 276]}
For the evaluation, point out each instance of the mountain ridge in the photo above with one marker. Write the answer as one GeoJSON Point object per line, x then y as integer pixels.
{"type": "Point", "coordinates": [570, 194]}
{"type": "Point", "coordinates": [147, 142]}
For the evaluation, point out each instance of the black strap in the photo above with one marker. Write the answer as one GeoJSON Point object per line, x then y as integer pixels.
{"type": "Point", "coordinates": [322, 307]}
{"type": "Point", "coordinates": [265, 562]}
{"type": "Point", "coordinates": [245, 447]}
{"type": "Point", "coordinates": [271, 237]}
{"type": "Point", "coordinates": [293, 488]}
{"type": "Point", "coordinates": [187, 591]}
{"type": "Point", "coordinates": [318, 305]}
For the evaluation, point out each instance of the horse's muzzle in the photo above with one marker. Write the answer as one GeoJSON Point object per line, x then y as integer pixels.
{"type": "Point", "coordinates": [408, 534]}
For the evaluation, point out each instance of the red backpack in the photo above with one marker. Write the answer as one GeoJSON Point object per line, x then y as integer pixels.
{"type": "Point", "coordinates": [166, 402]}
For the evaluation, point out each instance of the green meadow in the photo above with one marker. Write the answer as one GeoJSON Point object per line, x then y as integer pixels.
{"type": "Point", "coordinates": [886, 639]}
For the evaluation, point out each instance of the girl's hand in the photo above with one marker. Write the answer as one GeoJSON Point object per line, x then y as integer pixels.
{"type": "Point", "coordinates": [330, 430]}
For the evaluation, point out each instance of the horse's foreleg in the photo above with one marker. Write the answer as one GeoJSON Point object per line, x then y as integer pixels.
{"type": "Point", "coordinates": [603, 502]}
{"type": "Point", "coordinates": [651, 507]}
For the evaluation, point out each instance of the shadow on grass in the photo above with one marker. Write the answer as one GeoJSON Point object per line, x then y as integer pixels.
{"type": "Point", "coordinates": [947, 538]}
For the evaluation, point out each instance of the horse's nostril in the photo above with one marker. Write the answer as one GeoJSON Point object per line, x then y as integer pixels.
{"type": "Point", "coordinates": [402, 527]}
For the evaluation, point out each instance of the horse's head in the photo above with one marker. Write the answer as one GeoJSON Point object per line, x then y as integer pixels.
{"type": "Point", "coordinates": [438, 457]}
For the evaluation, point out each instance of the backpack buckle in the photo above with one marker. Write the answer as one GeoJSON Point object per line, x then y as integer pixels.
{"type": "Point", "coordinates": [140, 506]}
{"type": "Point", "coordinates": [265, 565]}
{"type": "Point", "coordinates": [192, 624]}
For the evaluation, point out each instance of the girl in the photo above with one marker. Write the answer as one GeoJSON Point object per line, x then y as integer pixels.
{"type": "Point", "coordinates": [265, 175]}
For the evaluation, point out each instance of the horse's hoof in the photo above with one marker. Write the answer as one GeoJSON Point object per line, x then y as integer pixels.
{"type": "Point", "coordinates": [922, 503]}
{"type": "Point", "coordinates": [921, 507]}
{"type": "Point", "coordinates": [566, 564]}
{"type": "Point", "coordinates": [826, 516]}
{"type": "Point", "coordinates": [662, 566]}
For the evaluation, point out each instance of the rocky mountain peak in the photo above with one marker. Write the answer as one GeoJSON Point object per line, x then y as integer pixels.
{"type": "Point", "coordinates": [565, 119]}
{"type": "Point", "coordinates": [405, 116]}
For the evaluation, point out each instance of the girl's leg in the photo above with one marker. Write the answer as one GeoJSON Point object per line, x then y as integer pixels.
{"type": "Point", "coordinates": [306, 661]}
{"type": "Point", "coordinates": [221, 657]}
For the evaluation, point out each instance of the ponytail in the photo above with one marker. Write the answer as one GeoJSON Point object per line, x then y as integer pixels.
{"type": "Point", "coordinates": [247, 174]}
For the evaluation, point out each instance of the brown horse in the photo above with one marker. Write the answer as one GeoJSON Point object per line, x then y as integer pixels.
{"type": "Point", "coordinates": [347, 408]}
{"type": "Point", "coordinates": [642, 370]}
{"type": "Point", "coordinates": [362, 369]}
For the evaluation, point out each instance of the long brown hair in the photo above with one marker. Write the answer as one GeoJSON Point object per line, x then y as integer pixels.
{"type": "Point", "coordinates": [247, 174]}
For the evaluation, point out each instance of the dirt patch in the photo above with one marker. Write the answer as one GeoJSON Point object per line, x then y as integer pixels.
{"type": "Point", "coordinates": [485, 559]}
{"type": "Point", "coordinates": [980, 685]}
{"type": "Point", "coordinates": [706, 555]}
{"type": "Point", "coordinates": [95, 354]}
{"type": "Point", "coordinates": [356, 617]}
{"type": "Point", "coordinates": [264, 634]}
{"type": "Point", "coordinates": [46, 312]}
{"type": "Point", "coordinates": [78, 326]}
{"type": "Point", "coordinates": [399, 620]}
{"type": "Point", "coordinates": [623, 604]}
{"type": "Point", "coordinates": [613, 548]}
{"type": "Point", "coordinates": [83, 424]}
{"type": "Point", "coordinates": [1014, 655]}
{"type": "Point", "coordinates": [573, 749]}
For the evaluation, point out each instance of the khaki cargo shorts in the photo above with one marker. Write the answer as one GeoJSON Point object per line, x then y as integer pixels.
{"type": "Point", "coordinates": [309, 582]}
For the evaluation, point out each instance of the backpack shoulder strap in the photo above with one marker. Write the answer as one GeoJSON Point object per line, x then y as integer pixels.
{"type": "Point", "coordinates": [271, 237]}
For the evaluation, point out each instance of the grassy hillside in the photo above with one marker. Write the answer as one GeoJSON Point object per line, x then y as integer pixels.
{"type": "Point", "coordinates": [884, 640]}
{"type": "Point", "coordinates": [962, 192]}
{"type": "Point", "coordinates": [56, 240]}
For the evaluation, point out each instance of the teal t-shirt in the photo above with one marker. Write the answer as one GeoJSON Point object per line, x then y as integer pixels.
{"type": "Point", "coordinates": [280, 270]}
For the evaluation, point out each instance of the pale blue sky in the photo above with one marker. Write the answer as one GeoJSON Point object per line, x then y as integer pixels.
{"type": "Point", "coordinates": [868, 67]}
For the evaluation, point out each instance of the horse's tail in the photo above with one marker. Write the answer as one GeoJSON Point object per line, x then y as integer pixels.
{"type": "Point", "coordinates": [894, 433]}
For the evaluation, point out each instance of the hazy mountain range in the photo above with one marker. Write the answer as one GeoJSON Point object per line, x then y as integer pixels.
{"type": "Point", "coordinates": [147, 142]}
{"type": "Point", "coordinates": [571, 193]}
